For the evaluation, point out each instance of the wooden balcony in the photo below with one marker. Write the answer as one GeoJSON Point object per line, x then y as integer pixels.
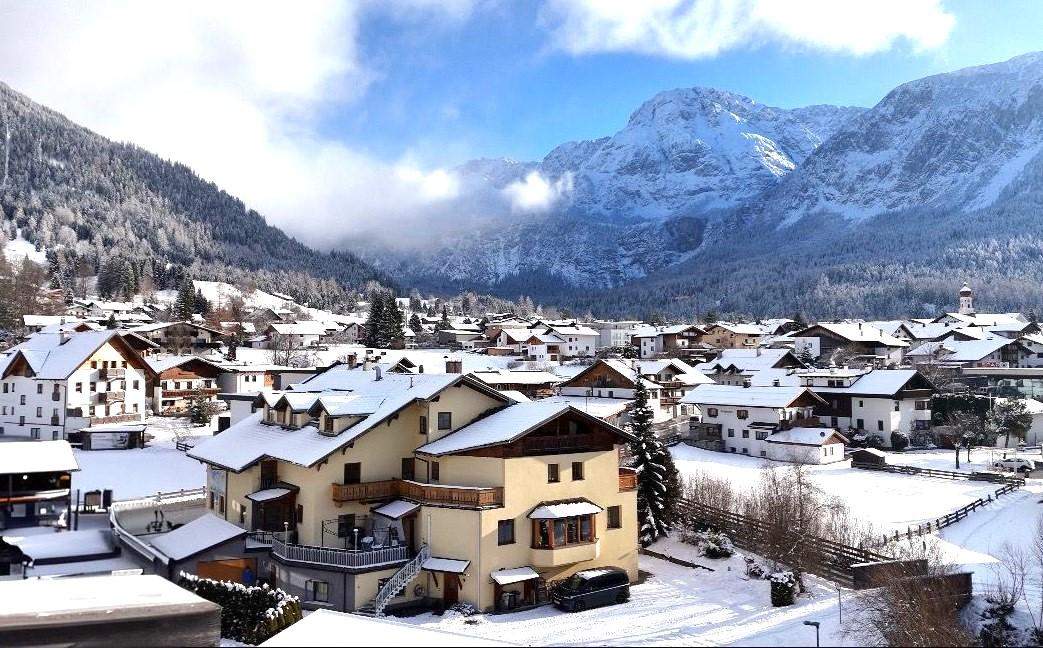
{"type": "Point", "coordinates": [627, 479]}
{"type": "Point", "coordinates": [558, 444]}
{"type": "Point", "coordinates": [115, 418]}
{"type": "Point", "coordinates": [438, 494]}
{"type": "Point", "coordinates": [112, 396]}
{"type": "Point", "coordinates": [112, 373]}
{"type": "Point", "coordinates": [191, 393]}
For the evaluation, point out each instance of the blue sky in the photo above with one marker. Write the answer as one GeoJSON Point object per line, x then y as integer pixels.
{"type": "Point", "coordinates": [490, 86]}
{"type": "Point", "coordinates": [341, 114]}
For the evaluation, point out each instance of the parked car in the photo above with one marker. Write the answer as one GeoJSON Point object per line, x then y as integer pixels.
{"type": "Point", "coordinates": [1019, 465]}
{"type": "Point", "coordinates": [591, 588]}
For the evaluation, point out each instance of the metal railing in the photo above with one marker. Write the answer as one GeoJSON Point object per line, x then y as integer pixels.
{"type": "Point", "coordinates": [337, 557]}
{"type": "Point", "coordinates": [398, 582]}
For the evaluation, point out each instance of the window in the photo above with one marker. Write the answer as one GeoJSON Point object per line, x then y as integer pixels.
{"type": "Point", "coordinates": [39, 412]}
{"type": "Point", "coordinates": [242, 514]}
{"type": "Point", "coordinates": [861, 403]}
{"type": "Point", "coordinates": [423, 425]}
{"type": "Point", "coordinates": [319, 591]}
{"type": "Point", "coordinates": [552, 473]}
{"type": "Point", "coordinates": [94, 386]}
{"type": "Point", "coordinates": [94, 364]}
{"type": "Point", "coordinates": [21, 399]}
{"type": "Point", "coordinates": [577, 470]}
{"type": "Point", "coordinates": [353, 473]}
{"type": "Point", "coordinates": [505, 532]}
{"type": "Point", "coordinates": [435, 471]}
{"type": "Point", "coordinates": [745, 451]}
{"type": "Point", "coordinates": [615, 517]}
{"type": "Point", "coordinates": [5, 388]}
{"type": "Point", "coordinates": [445, 420]}
{"type": "Point", "coordinates": [742, 414]}
{"type": "Point", "coordinates": [39, 388]}
{"type": "Point", "coordinates": [731, 432]}
{"type": "Point", "coordinates": [860, 424]}
{"type": "Point", "coordinates": [34, 433]}
{"type": "Point", "coordinates": [764, 453]}
{"type": "Point", "coordinates": [562, 532]}
{"type": "Point", "coordinates": [897, 406]}
{"type": "Point", "coordinates": [79, 388]}
{"type": "Point", "coordinates": [746, 434]}
{"type": "Point", "coordinates": [407, 469]}
{"type": "Point", "coordinates": [880, 426]}
{"type": "Point", "coordinates": [711, 411]}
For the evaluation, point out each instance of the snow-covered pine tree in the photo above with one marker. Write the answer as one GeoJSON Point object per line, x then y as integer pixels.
{"type": "Point", "coordinates": [391, 334]}
{"type": "Point", "coordinates": [185, 303]}
{"type": "Point", "coordinates": [415, 324]}
{"type": "Point", "coordinates": [376, 316]}
{"type": "Point", "coordinates": [658, 483]}
{"type": "Point", "coordinates": [444, 324]}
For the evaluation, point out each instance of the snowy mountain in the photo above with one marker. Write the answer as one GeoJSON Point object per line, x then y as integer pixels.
{"type": "Point", "coordinates": [699, 176]}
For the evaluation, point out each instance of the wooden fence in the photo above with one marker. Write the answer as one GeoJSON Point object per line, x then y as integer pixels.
{"type": "Point", "coordinates": [942, 474]}
{"type": "Point", "coordinates": [831, 560]}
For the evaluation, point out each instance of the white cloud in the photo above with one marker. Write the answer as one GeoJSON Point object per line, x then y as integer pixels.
{"type": "Point", "coordinates": [691, 29]}
{"type": "Point", "coordinates": [235, 89]}
{"type": "Point", "coordinates": [535, 193]}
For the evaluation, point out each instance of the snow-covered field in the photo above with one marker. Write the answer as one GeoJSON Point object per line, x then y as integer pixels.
{"type": "Point", "coordinates": [139, 472]}
{"type": "Point", "coordinates": [676, 605]}
{"type": "Point", "coordinates": [886, 500]}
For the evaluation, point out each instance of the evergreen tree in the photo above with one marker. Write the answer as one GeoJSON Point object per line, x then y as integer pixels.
{"type": "Point", "coordinates": [202, 304]}
{"type": "Point", "coordinates": [414, 323]}
{"type": "Point", "coordinates": [391, 334]}
{"type": "Point", "coordinates": [111, 322]}
{"type": "Point", "coordinates": [444, 324]}
{"type": "Point", "coordinates": [185, 303]}
{"type": "Point", "coordinates": [658, 482]}
{"type": "Point", "coordinates": [376, 316]}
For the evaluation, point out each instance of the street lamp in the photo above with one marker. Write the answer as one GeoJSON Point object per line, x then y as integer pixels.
{"type": "Point", "coordinates": [815, 624]}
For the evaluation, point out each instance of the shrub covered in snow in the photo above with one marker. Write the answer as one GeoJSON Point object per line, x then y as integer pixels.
{"type": "Point", "coordinates": [248, 614]}
{"type": "Point", "coordinates": [783, 588]}
{"type": "Point", "coordinates": [998, 631]}
{"type": "Point", "coordinates": [899, 441]}
{"type": "Point", "coordinates": [717, 545]}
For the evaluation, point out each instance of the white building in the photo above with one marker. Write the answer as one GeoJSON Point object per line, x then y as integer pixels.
{"type": "Point", "coordinates": [578, 341]}
{"type": "Point", "coordinates": [775, 423]}
{"type": "Point", "coordinates": [57, 384]}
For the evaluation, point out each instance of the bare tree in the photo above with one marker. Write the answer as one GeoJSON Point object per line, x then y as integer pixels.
{"type": "Point", "coordinates": [283, 351]}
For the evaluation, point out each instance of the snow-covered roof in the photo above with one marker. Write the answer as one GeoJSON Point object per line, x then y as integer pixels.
{"type": "Point", "coordinates": [515, 396]}
{"type": "Point", "coordinates": [51, 359]}
{"type": "Point", "coordinates": [249, 440]}
{"type": "Point", "coordinates": [45, 597]}
{"type": "Point", "coordinates": [952, 350]}
{"type": "Point", "coordinates": [744, 360]}
{"type": "Point", "coordinates": [36, 457]}
{"type": "Point", "coordinates": [745, 396]}
{"type": "Point", "coordinates": [626, 368]}
{"type": "Point", "coordinates": [741, 329]}
{"type": "Point", "coordinates": [202, 533]}
{"type": "Point", "coordinates": [879, 381]}
{"type": "Point", "coordinates": [517, 377]}
{"type": "Point", "coordinates": [573, 330]}
{"type": "Point", "coordinates": [266, 494]}
{"type": "Point", "coordinates": [768, 377]}
{"type": "Point", "coordinates": [516, 575]}
{"type": "Point", "coordinates": [858, 332]}
{"type": "Point", "coordinates": [396, 509]}
{"type": "Point", "coordinates": [161, 364]}
{"type": "Point", "coordinates": [804, 436]}
{"type": "Point", "coordinates": [500, 427]}
{"type": "Point", "coordinates": [564, 509]}
{"type": "Point", "coordinates": [48, 320]}
{"type": "Point", "coordinates": [447, 565]}
{"type": "Point", "coordinates": [308, 327]}
{"type": "Point", "coordinates": [156, 326]}
{"type": "Point", "coordinates": [518, 335]}
{"type": "Point", "coordinates": [593, 405]}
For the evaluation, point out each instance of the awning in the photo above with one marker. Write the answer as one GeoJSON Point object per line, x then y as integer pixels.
{"type": "Point", "coordinates": [268, 494]}
{"type": "Point", "coordinates": [508, 576]}
{"type": "Point", "coordinates": [564, 509]}
{"type": "Point", "coordinates": [397, 509]}
{"type": "Point", "coordinates": [447, 565]}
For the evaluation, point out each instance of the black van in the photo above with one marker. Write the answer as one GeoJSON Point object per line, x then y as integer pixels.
{"type": "Point", "coordinates": [592, 587]}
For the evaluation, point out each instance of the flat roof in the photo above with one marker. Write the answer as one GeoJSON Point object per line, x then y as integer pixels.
{"type": "Point", "coordinates": [37, 457]}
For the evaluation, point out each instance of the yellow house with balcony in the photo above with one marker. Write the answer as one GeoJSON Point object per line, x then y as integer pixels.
{"type": "Point", "coordinates": [368, 492]}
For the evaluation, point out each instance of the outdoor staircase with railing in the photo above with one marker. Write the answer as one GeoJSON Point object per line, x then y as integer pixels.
{"type": "Point", "coordinates": [394, 586]}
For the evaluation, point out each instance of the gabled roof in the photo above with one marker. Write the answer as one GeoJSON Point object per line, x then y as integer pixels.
{"type": "Point", "coordinates": [157, 326]}
{"type": "Point", "coordinates": [732, 395]}
{"type": "Point", "coordinates": [204, 532]}
{"type": "Point", "coordinates": [881, 382]}
{"type": "Point", "coordinates": [517, 377]}
{"type": "Point", "coordinates": [806, 436]}
{"type": "Point", "coordinates": [855, 332]}
{"type": "Point", "coordinates": [52, 359]}
{"type": "Point", "coordinates": [507, 425]}
{"type": "Point", "coordinates": [963, 350]}
{"type": "Point", "coordinates": [161, 364]}
{"type": "Point", "coordinates": [742, 360]}
{"type": "Point", "coordinates": [309, 327]}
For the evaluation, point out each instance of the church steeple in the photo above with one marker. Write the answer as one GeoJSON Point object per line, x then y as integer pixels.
{"type": "Point", "coordinates": [966, 300]}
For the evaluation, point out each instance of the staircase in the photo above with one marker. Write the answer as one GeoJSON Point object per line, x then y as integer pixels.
{"type": "Point", "coordinates": [394, 586]}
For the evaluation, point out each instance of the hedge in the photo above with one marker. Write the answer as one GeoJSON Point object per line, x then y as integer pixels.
{"type": "Point", "coordinates": [248, 614]}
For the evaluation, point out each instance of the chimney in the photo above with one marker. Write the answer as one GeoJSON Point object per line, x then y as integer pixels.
{"type": "Point", "coordinates": [453, 366]}
{"type": "Point", "coordinates": [420, 369]}
{"type": "Point", "coordinates": [758, 352]}
{"type": "Point", "coordinates": [353, 361]}
{"type": "Point", "coordinates": [776, 383]}
{"type": "Point", "coordinates": [378, 372]}
{"type": "Point", "coordinates": [365, 363]}
{"type": "Point", "coordinates": [746, 384]}
{"type": "Point", "coordinates": [63, 336]}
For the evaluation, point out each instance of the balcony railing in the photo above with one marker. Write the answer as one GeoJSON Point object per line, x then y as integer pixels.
{"type": "Point", "coordinates": [559, 443]}
{"type": "Point", "coordinates": [811, 421]}
{"type": "Point", "coordinates": [117, 396]}
{"type": "Point", "coordinates": [189, 393]}
{"type": "Point", "coordinates": [112, 373]}
{"type": "Point", "coordinates": [468, 496]}
{"type": "Point", "coordinates": [627, 479]}
{"type": "Point", "coordinates": [346, 558]}
{"type": "Point", "coordinates": [115, 418]}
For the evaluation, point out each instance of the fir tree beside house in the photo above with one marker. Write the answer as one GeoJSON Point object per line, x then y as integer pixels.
{"type": "Point", "coordinates": [658, 482]}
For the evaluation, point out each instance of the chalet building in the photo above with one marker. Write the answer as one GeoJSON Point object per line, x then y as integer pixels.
{"type": "Point", "coordinates": [615, 333]}
{"type": "Point", "coordinates": [53, 385]}
{"type": "Point", "coordinates": [739, 366]}
{"type": "Point", "coordinates": [372, 491]}
{"type": "Point", "coordinates": [35, 483]}
{"type": "Point", "coordinates": [609, 385]}
{"type": "Point", "coordinates": [181, 338]}
{"type": "Point", "coordinates": [725, 335]}
{"type": "Point", "coordinates": [545, 347]}
{"type": "Point", "coordinates": [577, 340]}
{"type": "Point", "coordinates": [180, 380]}
{"type": "Point", "coordinates": [864, 342]}
{"type": "Point", "coordinates": [775, 423]}
{"type": "Point", "coordinates": [879, 402]}
{"type": "Point", "coordinates": [455, 339]}
{"type": "Point", "coordinates": [299, 334]}
{"type": "Point", "coordinates": [658, 340]}
{"type": "Point", "coordinates": [238, 378]}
